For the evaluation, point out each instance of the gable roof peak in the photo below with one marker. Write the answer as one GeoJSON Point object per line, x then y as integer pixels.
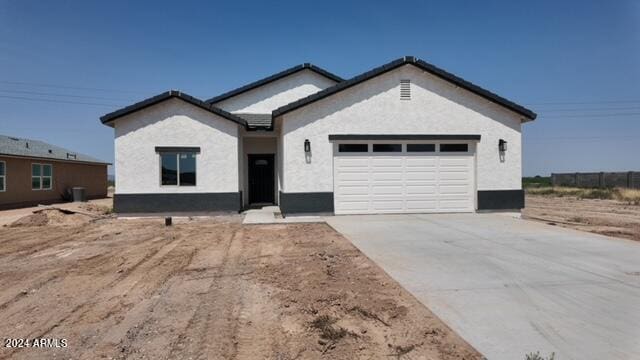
{"type": "Point", "coordinates": [421, 64]}
{"type": "Point", "coordinates": [277, 76]}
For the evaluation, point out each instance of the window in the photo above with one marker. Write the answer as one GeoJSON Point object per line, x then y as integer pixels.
{"type": "Point", "coordinates": [178, 169]}
{"type": "Point", "coordinates": [3, 176]}
{"type": "Point", "coordinates": [454, 147]}
{"type": "Point", "coordinates": [421, 147]}
{"type": "Point", "coordinates": [353, 147]}
{"type": "Point", "coordinates": [387, 147]}
{"type": "Point", "coordinates": [41, 177]}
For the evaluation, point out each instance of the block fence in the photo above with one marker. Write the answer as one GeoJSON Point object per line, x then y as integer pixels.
{"type": "Point", "coordinates": [629, 179]}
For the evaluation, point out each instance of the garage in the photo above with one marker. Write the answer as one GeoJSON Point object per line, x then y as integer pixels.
{"type": "Point", "coordinates": [403, 177]}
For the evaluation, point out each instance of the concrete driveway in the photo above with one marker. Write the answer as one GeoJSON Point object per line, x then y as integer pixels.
{"type": "Point", "coordinates": [511, 286]}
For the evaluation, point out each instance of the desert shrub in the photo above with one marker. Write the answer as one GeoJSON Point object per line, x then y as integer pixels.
{"type": "Point", "coordinates": [632, 196]}
{"type": "Point", "coordinates": [537, 356]}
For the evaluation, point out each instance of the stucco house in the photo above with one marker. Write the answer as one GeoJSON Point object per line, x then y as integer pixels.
{"type": "Point", "coordinates": [406, 137]}
{"type": "Point", "coordinates": [34, 172]}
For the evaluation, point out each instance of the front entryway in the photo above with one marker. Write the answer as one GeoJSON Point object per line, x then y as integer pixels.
{"type": "Point", "coordinates": [261, 178]}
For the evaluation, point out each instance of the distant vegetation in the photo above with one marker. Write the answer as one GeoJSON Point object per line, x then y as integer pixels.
{"type": "Point", "coordinates": [541, 185]}
{"type": "Point", "coordinates": [631, 196]}
{"type": "Point", "coordinates": [536, 181]}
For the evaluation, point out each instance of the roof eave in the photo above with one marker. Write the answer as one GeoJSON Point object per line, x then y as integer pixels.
{"type": "Point", "coordinates": [109, 118]}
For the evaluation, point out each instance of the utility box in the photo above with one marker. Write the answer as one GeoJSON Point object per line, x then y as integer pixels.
{"type": "Point", "coordinates": [79, 194]}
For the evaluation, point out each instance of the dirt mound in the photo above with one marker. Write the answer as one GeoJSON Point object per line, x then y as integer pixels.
{"type": "Point", "coordinates": [52, 217]}
{"type": "Point", "coordinates": [39, 219]}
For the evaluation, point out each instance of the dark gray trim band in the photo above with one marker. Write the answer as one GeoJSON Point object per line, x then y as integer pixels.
{"type": "Point", "coordinates": [195, 149]}
{"type": "Point", "coordinates": [404, 137]}
{"type": "Point", "coordinates": [308, 202]}
{"type": "Point", "coordinates": [500, 199]}
{"type": "Point", "coordinates": [177, 202]}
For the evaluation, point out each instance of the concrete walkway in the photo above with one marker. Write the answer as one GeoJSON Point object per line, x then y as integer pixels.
{"type": "Point", "coordinates": [511, 286]}
{"type": "Point", "coordinates": [272, 215]}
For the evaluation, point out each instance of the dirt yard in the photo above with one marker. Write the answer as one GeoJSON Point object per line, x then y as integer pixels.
{"type": "Point", "coordinates": [204, 289]}
{"type": "Point", "coordinates": [607, 217]}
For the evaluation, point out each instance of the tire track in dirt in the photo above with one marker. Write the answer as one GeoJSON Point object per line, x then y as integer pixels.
{"type": "Point", "coordinates": [211, 315]}
{"type": "Point", "coordinates": [142, 320]}
{"type": "Point", "coordinates": [71, 316]}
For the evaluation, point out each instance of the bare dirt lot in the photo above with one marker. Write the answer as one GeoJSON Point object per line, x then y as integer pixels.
{"type": "Point", "coordinates": [205, 289]}
{"type": "Point", "coordinates": [607, 217]}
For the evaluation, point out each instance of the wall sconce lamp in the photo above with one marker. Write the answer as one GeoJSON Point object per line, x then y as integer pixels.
{"type": "Point", "coordinates": [307, 146]}
{"type": "Point", "coordinates": [502, 145]}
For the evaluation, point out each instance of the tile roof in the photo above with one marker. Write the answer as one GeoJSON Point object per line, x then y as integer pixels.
{"type": "Point", "coordinates": [14, 146]}
{"type": "Point", "coordinates": [256, 120]}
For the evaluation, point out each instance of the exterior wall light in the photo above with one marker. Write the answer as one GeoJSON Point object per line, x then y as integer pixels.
{"type": "Point", "coordinates": [502, 145]}
{"type": "Point", "coordinates": [307, 146]}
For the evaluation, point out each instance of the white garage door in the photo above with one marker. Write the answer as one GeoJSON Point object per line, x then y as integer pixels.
{"type": "Point", "coordinates": [378, 178]}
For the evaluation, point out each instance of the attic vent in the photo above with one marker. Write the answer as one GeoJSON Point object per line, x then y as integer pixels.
{"type": "Point", "coordinates": [71, 156]}
{"type": "Point", "coordinates": [405, 89]}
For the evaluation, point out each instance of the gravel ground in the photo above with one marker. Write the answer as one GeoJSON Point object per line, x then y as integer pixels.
{"type": "Point", "coordinates": [204, 288]}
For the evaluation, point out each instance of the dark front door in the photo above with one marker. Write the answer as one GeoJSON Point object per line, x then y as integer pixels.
{"type": "Point", "coordinates": [261, 174]}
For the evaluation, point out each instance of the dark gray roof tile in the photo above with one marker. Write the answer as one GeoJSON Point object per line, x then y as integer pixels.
{"type": "Point", "coordinates": [14, 146]}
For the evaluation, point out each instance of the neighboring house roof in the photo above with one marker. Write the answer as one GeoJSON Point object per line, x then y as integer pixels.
{"type": "Point", "coordinates": [272, 78]}
{"type": "Point", "coordinates": [14, 146]}
{"type": "Point", "coordinates": [256, 120]}
{"type": "Point", "coordinates": [171, 94]}
{"type": "Point", "coordinates": [407, 60]}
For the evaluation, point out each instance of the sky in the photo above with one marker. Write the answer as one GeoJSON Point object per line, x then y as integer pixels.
{"type": "Point", "coordinates": [63, 64]}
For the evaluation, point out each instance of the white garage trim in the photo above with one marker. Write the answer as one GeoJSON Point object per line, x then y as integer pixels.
{"type": "Point", "coordinates": [404, 181]}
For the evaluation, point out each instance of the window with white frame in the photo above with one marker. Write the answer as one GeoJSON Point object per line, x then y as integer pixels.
{"type": "Point", "coordinates": [41, 177]}
{"type": "Point", "coordinates": [3, 176]}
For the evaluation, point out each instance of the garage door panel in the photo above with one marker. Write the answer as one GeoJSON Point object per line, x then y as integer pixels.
{"type": "Point", "coordinates": [422, 175]}
{"type": "Point", "coordinates": [387, 190]}
{"type": "Point", "coordinates": [454, 175]}
{"type": "Point", "coordinates": [386, 176]}
{"type": "Point", "coordinates": [387, 205]}
{"type": "Point", "coordinates": [403, 183]}
{"type": "Point", "coordinates": [462, 189]}
{"type": "Point", "coordinates": [430, 161]}
{"type": "Point", "coordinates": [415, 190]}
{"type": "Point", "coordinates": [353, 190]}
{"type": "Point", "coordinates": [346, 161]}
{"type": "Point", "coordinates": [353, 176]}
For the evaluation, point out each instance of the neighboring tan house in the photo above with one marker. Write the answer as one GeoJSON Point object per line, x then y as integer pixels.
{"type": "Point", "coordinates": [33, 172]}
{"type": "Point", "coordinates": [406, 137]}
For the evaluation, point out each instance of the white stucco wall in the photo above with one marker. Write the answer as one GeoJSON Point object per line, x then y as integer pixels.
{"type": "Point", "coordinates": [269, 97]}
{"type": "Point", "coordinates": [175, 123]}
{"type": "Point", "coordinates": [374, 107]}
